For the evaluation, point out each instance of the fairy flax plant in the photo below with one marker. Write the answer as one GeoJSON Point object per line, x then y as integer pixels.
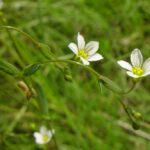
{"type": "Point", "coordinates": [86, 53]}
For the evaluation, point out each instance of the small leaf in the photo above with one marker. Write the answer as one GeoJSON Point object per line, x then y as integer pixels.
{"type": "Point", "coordinates": [101, 88]}
{"type": "Point", "coordinates": [45, 50]}
{"type": "Point", "coordinates": [31, 69]}
{"type": "Point", "coordinates": [111, 85]}
{"type": "Point", "coordinates": [67, 74]}
{"type": "Point", "coordinates": [47, 53]}
{"type": "Point", "coordinates": [8, 68]}
{"type": "Point", "coordinates": [68, 78]}
{"type": "Point", "coordinates": [41, 99]}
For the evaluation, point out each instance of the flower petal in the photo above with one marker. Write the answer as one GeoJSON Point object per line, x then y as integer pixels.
{"type": "Point", "coordinates": [81, 41]}
{"type": "Point", "coordinates": [125, 65]}
{"type": "Point", "coordinates": [146, 65]}
{"type": "Point", "coordinates": [84, 61]}
{"type": "Point", "coordinates": [95, 57]}
{"type": "Point", "coordinates": [146, 74]}
{"type": "Point", "coordinates": [37, 135]}
{"type": "Point", "coordinates": [136, 58]}
{"type": "Point", "coordinates": [73, 47]}
{"type": "Point", "coordinates": [38, 138]}
{"type": "Point", "coordinates": [43, 130]}
{"type": "Point", "coordinates": [92, 47]}
{"type": "Point", "coordinates": [132, 75]}
{"type": "Point", "coordinates": [50, 134]}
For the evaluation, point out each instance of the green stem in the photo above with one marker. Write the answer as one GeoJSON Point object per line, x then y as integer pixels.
{"type": "Point", "coordinates": [26, 82]}
{"type": "Point", "coordinates": [12, 39]}
{"type": "Point", "coordinates": [22, 32]}
{"type": "Point", "coordinates": [99, 76]}
{"type": "Point", "coordinates": [132, 88]}
{"type": "Point", "coordinates": [126, 110]}
{"type": "Point", "coordinates": [38, 44]}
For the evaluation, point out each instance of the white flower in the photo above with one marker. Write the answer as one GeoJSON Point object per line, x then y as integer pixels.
{"type": "Point", "coordinates": [1, 4]}
{"type": "Point", "coordinates": [86, 52]}
{"type": "Point", "coordinates": [44, 136]}
{"type": "Point", "coordinates": [138, 68]}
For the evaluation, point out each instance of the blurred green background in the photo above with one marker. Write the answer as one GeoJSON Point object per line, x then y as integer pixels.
{"type": "Point", "coordinates": [83, 116]}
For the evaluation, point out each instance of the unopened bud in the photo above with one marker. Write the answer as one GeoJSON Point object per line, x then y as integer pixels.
{"type": "Point", "coordinates": [31, 93]}
{"type": "Point", "coordinates": [28, 92]}
{"type": "Point", "coordinates": [67, 74]}
{"type": "Point", "coordinates": [135, 126]}
{"type": "Point", "coordinates": [22, 86]}
{"type": "Point", "coordinates": [68, 78]}
{"type": "Point", "coordinates": [33, 125]}
{"type": "Point", "coordinates": [137, 115]}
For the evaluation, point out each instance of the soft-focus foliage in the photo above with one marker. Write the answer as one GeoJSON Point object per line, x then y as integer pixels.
{"type": "Point", "coordinates": [83, 115]}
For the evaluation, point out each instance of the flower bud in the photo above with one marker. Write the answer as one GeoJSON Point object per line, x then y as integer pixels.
{"type": "Point", "coordinates": [68, 78]}
{"type": "Point", "coordinates": [110, 85]}
{"type": "Point", "coordinates": [28, 92]}
{"type": "Point", "coordinates": [31, 93]}
{"type": "Point", "coordinates": [135, 126]}
{"type": "Point", "coordinates": [32, 125]}
{"type": "Point", "coordinates": [67, 74]}
{"type": "Point", "coordinates": [137, 115]}
{"type": "Point", "coordinates": [22, 86]}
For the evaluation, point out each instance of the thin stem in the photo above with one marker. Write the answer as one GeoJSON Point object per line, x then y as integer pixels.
{"type": "Point", "coordinates": [11, 38]}
{"type": "Point", "coordinates": [73, 62]}
{"type": "Point", "coordinates": [132, 87]}
{"type": "Point", "coordinates": [39, 15]}
{"type": "Point", "coordinates": [30, 88]}
{"type": "Point", "coordinates": [38, 44]}
{"type": "Point", "coordinates": [99, 76]}
{"type": "Point", "coordinates": [22, 32]}
{"type": "Point", "coordinates": [126, 110]}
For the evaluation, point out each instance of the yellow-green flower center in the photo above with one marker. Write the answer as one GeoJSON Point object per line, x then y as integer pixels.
{"type": "Point", "coordinates": [45, 138]}
{"type": "Point", "coordinates": [137, 71]}
{"type": "Point", "coordinates": [82, 53]}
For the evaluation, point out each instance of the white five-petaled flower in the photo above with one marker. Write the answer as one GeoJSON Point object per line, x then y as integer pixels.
{"type": "Point", "coordinates": [44, 136]}
{"type": "Point", "coordinates": [138, 69]}
{"type": "Point", "coordinates": [86, 52]}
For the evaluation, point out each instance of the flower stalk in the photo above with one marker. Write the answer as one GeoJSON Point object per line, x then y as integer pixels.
{"type": "Point", "coordinates": [87, 53]}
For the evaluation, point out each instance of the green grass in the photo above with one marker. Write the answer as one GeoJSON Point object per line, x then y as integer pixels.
{"type": "Point", "coordinates": [84, 117]}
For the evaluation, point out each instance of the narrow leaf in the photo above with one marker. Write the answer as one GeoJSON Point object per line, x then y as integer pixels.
{"type": "Point", "coordinates": [45, 50]}
{"type": "Point", "coordinates": [111, 85]}
{"type": "Point", "coordinates": [31, 69]}
{"type": "Point", "coordinates": [41, 98]}
{"type": "Point", "coordinates": [8, 68]}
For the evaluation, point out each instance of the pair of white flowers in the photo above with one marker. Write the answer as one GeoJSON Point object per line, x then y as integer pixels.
{"type": "Point", "coordinates": [87, 53]}
{"type": "Point", "coordinates": [44, 136]}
